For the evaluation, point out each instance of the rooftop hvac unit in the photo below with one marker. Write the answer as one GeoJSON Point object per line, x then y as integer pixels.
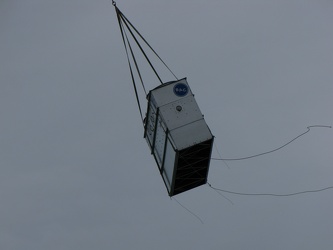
{"type": "Point", "coordinates": [178, 136]}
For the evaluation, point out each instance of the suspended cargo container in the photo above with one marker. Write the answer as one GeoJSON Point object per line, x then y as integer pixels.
{"type": "Point", "coordinates": [178, 136]}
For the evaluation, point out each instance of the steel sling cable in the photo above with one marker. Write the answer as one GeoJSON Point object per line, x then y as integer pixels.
{"type": "Point", "coordinates": [123, 34]}
{"type": "Point", "coordinates": [143, 39]}
{"type": "Point", "coordinates": [142, 51]}
{"type": "Point", "coordinates": [135, 63]}
{"type": "Point", "coordinates": [124, 24]}
{"type": "Point", "coordinates": [131, 27]}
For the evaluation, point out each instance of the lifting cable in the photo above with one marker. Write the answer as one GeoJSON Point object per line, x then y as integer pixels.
{"type": "Point", "coordinates": [125, 24]}
{"type": "Point", "coordinates": [130, 67]}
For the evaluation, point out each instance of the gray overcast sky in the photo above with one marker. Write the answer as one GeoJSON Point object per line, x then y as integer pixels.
{"type": "Point", "coordinates": [75, 171]}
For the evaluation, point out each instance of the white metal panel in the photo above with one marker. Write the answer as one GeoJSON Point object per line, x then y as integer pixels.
{"type": "Point", "coordinates": [191, 134]}
{"type": "Point", "coordinates": [159, 145]}
{"type": "Point", "coordinates": [165, 94]}
{"type": "Point", "coordinates": [166, 181]}
{"type": "Point", "coordinates": [169, 162]}
{"type": "Point", "coordinates": [151, 123]}
{"type": "Point", "coordinates": [180, 112]}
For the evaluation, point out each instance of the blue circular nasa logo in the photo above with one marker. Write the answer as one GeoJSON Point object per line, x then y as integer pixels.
{"type": "Point", "coordinates": [180, 89]}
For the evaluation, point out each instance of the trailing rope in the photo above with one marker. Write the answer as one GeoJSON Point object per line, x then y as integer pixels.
{"type": "Point", "coordinates": [271, 151]}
